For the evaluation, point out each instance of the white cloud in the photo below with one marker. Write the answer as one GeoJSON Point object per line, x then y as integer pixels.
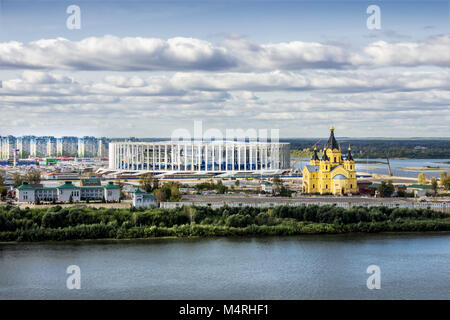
{"type": "Point", "coordinates": [155, 105]}
{"type": "Point", "coordinates": [233, 54]}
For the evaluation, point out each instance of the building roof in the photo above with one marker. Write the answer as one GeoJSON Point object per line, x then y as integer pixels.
{"type": "Point", "coordinates": [138, 191]}
{"type": "Point", "coordinates": [325, 157]}
{"type": "Point", "coordinates": [149, 196]}
{"type": "Point", "coordinates": [25, 186]}
{"type": "Point", "coordinates": [111, 185]}
{"type": "Point", "coordinates": [332, 143]}
{"type": "Point", "coordinates": [315, 156]}
{"type": "Point", "coordinates": [349, 154]}
{"type": "Point", "coordinates": [420, 186]}
{"type": "Point", "coordinates": [267, 183]}
{"type": "Point", "coordinates": [312, 168]}
{"type": "Point", "coordinates": [67, 185]}
{"type": "Point", "coordinates": [339, 176]}
{"type": "Point", "coordinates": [90, 182]}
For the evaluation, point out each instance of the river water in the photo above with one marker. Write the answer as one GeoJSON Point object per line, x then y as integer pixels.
{"type": "Point", "coordinates": [400, 167]}
{"type": "Point", "coordinates": [413, 266]}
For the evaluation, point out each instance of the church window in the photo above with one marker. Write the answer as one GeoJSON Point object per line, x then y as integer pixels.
{"type": "Point", "coordinates": [326, 186]}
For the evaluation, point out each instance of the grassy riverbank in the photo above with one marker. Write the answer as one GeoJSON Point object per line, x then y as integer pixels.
{"type": "Point", "coordinates": [75, 223]}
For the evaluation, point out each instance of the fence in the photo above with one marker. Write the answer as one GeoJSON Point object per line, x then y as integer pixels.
{"type": "Point", "coordinates": [444, 206]}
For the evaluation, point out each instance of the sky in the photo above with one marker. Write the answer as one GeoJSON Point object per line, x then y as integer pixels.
{"type": "Point", "coordinates": [146, 68]}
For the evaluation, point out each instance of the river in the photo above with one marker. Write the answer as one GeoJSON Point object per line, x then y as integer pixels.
{"type": "Point", "coordinates": [400, 167]}
{"type": "Point", "coordinates": [413, 266]}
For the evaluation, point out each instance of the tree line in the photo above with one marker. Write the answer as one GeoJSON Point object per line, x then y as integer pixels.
{"type": "Point", "coordinates": [70, 223]}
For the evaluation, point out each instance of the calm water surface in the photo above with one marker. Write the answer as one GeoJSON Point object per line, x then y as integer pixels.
{"type": "Point", "coordinates": [399, 167]}
{"type": "Point", "coordinates": [413, 266]}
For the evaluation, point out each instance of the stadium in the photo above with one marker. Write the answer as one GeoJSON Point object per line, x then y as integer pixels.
{"type": "Point", "coordinates": [199, 157]}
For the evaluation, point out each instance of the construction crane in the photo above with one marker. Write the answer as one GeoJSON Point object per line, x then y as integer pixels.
{"type": "Point", "coordinates": [389, 166]}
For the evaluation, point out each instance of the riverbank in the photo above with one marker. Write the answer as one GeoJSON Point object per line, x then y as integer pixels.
{"type": "Point", "coordinates": [194, 238]}
{"type": "Point", "coordinates": [61, 224]}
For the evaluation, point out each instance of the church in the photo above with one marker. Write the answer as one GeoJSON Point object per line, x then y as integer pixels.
{"type": "Point", "coordinates": [332, 174]}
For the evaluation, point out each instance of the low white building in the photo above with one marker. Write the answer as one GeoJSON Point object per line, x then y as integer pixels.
{"type": "Point", "coordinates": [266, 187]}
{"type": "Point", "coordinates": [67, 192]}
{"type": "Point", "coordinates": [143, 199]}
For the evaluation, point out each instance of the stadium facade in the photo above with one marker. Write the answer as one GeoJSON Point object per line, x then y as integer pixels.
{"type": "Point", "coordinates": [211, 156]}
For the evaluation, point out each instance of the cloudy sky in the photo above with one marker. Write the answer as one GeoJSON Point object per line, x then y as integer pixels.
{"type": "Point", "coordinates": [146, 68]}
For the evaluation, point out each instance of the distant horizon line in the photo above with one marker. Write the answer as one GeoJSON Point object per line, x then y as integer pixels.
{"type": "Point", "coordinates": [285, 138]}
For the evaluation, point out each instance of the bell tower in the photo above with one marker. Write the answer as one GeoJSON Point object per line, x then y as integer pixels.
{"type": "Point", "coordinates": [333, 150]}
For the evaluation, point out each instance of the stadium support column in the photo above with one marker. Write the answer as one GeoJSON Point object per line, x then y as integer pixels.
{"type": "Point", "coordinates": [192, 157]}
{"type": "Point", "coordinates": [266, 151]}
{"type": "Point", "coordinates": [233, 156]}
{"type": "Point", "coordinates": [199, 156]}
{"type": "Point", "coordinates": [153, 157]}
{"type": "Point", "coordinates": [245, 157]}
{"type": "Point", "coordinates": [220, 157]}
{"type": "Point", "coordinates": [159, 157]}
{"type": "Point", "coordinates": [239, 157]}
{"type": "Point", "coordinates": [185, 157]}
{"type": "Point", "coordinates": [165, 157]}
{"type": "Point", "coordinates": [213, 163]}
{"type": "Point", "coordinates": [250, 154]}
{"type": "Point", "coordinates": [206, 157]}
{"type": "Point", "coordinates": [179, 156]}
{"type": "Point", "coordinates": [226, 157]}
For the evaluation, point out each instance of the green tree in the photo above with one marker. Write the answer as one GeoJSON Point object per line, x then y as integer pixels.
{"type": "Point", "coordinates": [386, 189]}
{"type": "Point", "coordinates": [277, 184]}
{"type": "Point", "coordinates": [220, 187]}
{"type": "Point", "coordinates": [421, 178]}
{"type": "Point", "coordinates": [70, 199]}
{"type": "Point", "coordinates": [443, 176]}
{"type": "Point", "coordinates": [33, 176]}
{"type": "Point", "coordinates": [446, 183]}
{"type": "Point", "coordinates": [434, 185]}
{"type": "Point", "coordinates": [146, 182]}
{"type": "Point", "coordinates": [3, 192]}
{"type": "Point", "coordinates": [160, 195]}
{"type": "Point", "coordinates": [2, 181]}
{"type": "Point", "coordinates": [175, 194]}
{"type": "Point", "coordinates": [285, 192]}
{"type": "Point", "coordinates": [18, 179]}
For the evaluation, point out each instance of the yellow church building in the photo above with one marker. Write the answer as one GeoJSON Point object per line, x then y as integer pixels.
{"type": "Point", "coordinates": [332, 174]}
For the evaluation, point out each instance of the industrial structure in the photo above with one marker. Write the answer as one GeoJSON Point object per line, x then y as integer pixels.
{"type": "Point", "coordinates": [332, 174]}
{"type": "Point", "coordinates": [196, 156]}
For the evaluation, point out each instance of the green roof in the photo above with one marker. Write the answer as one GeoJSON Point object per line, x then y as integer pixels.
{"type": "Point", "coordinates": [67, 185]}
{"type": "Point", "coordinates": [420, 186]}
{"type": "Point", "coordinates": [90, 182]}
{"type": "Point", "coordinates": [111, 185]}
{"type": "Point", "coordinates": [25, 186]}
{"type": "Point", "coordinates": [138, 191]}
{"type": "Point", "coordinates": [149, 196]}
